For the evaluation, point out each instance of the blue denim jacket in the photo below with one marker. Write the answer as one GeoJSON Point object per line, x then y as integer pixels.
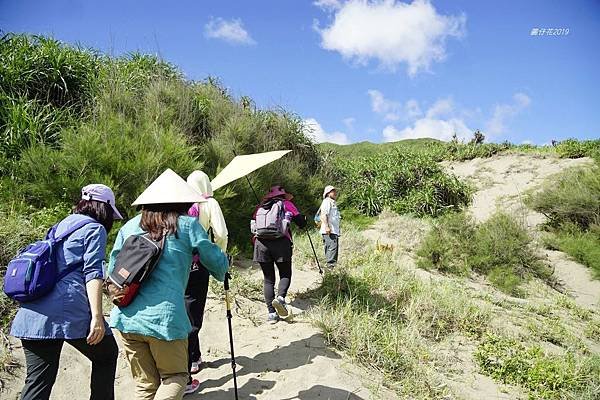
{"type": "Point", "coordinates": [65, 312]}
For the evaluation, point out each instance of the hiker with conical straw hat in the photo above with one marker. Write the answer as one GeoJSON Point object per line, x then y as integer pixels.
{"type": "Point", "coordinates": [211, 218]}
{"type": "Point", "coordinates": [154, 327]}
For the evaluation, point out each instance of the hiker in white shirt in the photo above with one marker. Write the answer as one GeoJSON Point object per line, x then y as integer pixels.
{"type": "Point", "coordinates": [330, 225]}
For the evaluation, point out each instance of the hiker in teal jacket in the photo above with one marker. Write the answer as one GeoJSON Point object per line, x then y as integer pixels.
{"type": "Point", "coordinates": [154, 327]}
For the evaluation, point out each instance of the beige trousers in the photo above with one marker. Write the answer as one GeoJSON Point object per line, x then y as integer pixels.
{"type": "Point", "coordinates": [159, 367]}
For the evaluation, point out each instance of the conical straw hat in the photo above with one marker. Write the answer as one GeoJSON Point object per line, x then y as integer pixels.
{"type": "Point", "coordinates": [169, 188]}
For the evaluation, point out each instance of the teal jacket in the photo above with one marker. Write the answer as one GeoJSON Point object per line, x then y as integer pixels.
{"type": "Point", "coordinates": [159, 310]}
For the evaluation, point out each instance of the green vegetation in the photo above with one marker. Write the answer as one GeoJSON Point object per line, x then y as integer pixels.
{"type": "Point", "coordinates": [545, 376]}
{"type": "Point", "coordinates": [573, 148]}
{"type": "Point", "coordinates": [387, 319]}
{"type": "Point", "coordinates": [499, 248]}
{"type": "Point", "coordinates": [571, 202]}
{"type": "Point", "coordinates": [70, 116]}
{"type": "Point", "coordinates": [405, 182]}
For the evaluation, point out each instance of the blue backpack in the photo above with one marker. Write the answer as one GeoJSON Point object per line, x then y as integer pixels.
{"type": "Point", "coordinates": [33, 273]}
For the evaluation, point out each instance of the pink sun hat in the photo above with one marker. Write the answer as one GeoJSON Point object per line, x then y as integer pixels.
{"type": "Point", "coordinates": [278, 191]}
{"type": "Point", "coordinates": [103, 194]}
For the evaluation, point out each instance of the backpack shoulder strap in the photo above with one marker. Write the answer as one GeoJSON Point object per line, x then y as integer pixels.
{"type": "Point", "coordinates": [63, 236]}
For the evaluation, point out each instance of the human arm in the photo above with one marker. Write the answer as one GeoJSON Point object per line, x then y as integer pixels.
{"type": "Point", "coordinates": [218, 225]}
{"type": "Point", "coordinates": [298, 218]}
{"type": "Point", "coordinates": [325, 210]}
{"type": "Point", "coordinates": [93, 257]}
{"type": "Point", "coordinates": [94, 294]}
{"type": "Point", "coordinates": [211, 256]}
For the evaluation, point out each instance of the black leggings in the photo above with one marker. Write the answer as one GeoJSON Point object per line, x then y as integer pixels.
{"type": "Point", "coordinates": [42, 357]}
{"type": "Point", "coordinates": [285, 278]}
{"type": "Point", "coordinates": [195, 302]}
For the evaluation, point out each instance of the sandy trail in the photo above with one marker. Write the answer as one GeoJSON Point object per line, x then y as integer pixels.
{"type": "Point", "coordinates": [275, 362]}
{"type": "Point", "coordinates": [502, 181]}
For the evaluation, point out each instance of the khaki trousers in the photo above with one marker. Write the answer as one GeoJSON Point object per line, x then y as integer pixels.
{"type": "Point", "coordinates": [159, 367]}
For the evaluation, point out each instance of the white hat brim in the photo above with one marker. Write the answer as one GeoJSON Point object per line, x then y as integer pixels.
{"type": "Point", "coordinates": [169, 188]}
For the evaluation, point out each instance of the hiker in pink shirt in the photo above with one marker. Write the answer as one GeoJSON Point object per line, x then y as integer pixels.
{"type": "Point", "coordinates": [271, 227]}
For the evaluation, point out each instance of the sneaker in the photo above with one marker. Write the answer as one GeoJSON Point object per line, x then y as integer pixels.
{"type": "Point", "coordinates": [272, 318]}
{"type": "Point", "coordinates": [279, 305]}
{"type": "Point", "coordinates": [192, 387]}
{"type": "Point", "coordinates": [195, 368]}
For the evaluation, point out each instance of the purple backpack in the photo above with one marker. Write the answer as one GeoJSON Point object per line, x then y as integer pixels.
{"type": "Point", "coordinates": [33, 272]}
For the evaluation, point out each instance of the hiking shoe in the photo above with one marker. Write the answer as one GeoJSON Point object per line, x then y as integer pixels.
{"type": "Point", "coordinates": [192, 387]}
{"type": "Point", "coordinates": [272, 318]}
{"type": "Point", "coordinates": [195, 368]}
{"type": "Point", "coordinates": [279, 305]}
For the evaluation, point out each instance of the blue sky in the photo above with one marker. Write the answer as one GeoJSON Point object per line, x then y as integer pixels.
{"type": "Point", "coordinates": [366, 70]}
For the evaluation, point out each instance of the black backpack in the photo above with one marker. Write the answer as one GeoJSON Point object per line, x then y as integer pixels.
{"type": "Point", "coordinates": [134, 264]}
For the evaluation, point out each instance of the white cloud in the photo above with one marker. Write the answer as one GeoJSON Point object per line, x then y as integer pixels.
{"type": "Point", "coordinates": [393, 110]}
{"type": "Point", "coordinates": [313, 129]}
{"type": "Point", "coordinates": [441, 107]}
{"type": "Point", "coordinates": [429, 128]}
{"type": "Point", "coordinates": [349, 123]}
{"type": "Point", "coordinates": [391, 32]}
{"type": "Point", "coordinates": [503, 113]}
{"type": "Point", "coordinates": [328, 5]}
{"type": "Point", "coordinates": [231, 31]}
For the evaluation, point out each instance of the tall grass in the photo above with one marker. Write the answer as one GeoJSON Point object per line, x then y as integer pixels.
{"type": "Point", "coordinates": [571, 202]}
{"type": "Point", "coordinates": [121, 121]}
{"type": "Point", "coordinates": [545, 376]}
{"type": "Point", "coordinates": [386, 318]}
{"type": "Point", "coordinates": [405, 182]}
{"type": "Point", "coordinates": [500, 248]}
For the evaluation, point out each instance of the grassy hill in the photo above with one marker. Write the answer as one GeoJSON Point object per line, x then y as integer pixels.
{"type": "Point", "coordinates": [365, 149]}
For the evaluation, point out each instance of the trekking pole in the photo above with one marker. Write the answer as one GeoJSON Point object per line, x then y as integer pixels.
{"type": "Point", "coordinates": [229, 316]}
{"type": "Point", "coordinates": [314, 252]}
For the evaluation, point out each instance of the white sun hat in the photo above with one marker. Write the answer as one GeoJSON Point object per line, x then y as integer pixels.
{"type": "Point", "coordinates": [169, 188]}
{"type": "Point", "coordinates": [328, 189]}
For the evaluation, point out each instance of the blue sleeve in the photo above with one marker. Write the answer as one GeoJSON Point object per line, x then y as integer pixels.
{"type": "Point", "coordinates": [94, 244]}
{"type": "Point", "coordinates": [210, 254]}
{"type": "Point", "coordinates": [115, 251]}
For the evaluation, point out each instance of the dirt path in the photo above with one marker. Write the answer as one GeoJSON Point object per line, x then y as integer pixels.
{"type": "Point", "coordinates": [275, 362]}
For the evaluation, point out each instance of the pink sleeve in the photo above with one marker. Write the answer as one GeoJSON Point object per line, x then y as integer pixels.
{"type": "Point", "coordinates": [290, 207]}
{"type": "Point", "coordinates": [193, 211]}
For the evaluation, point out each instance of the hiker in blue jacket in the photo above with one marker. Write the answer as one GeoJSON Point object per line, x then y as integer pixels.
{"type": "Point", "coordinates": [72, 311]}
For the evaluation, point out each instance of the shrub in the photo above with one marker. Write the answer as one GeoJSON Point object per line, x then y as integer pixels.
{"type": "Point", "coordinates": [573, 148]}
{"type": "Point", "coordinates": [499, 248]}
{"type": "Point", "coordinates": [573, 196]}
{"type": "Point", "coordinates": [405, 182]}
{"type": "Point", "coordinates": [545, 376]}
{"type": "Point", "coordinates": [113, 151]}
{"type": "Point", "coordinates": [444, 247]}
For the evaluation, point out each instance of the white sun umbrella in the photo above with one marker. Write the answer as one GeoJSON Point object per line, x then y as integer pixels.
{"type": "Point", "coordinates": [241, 166]}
